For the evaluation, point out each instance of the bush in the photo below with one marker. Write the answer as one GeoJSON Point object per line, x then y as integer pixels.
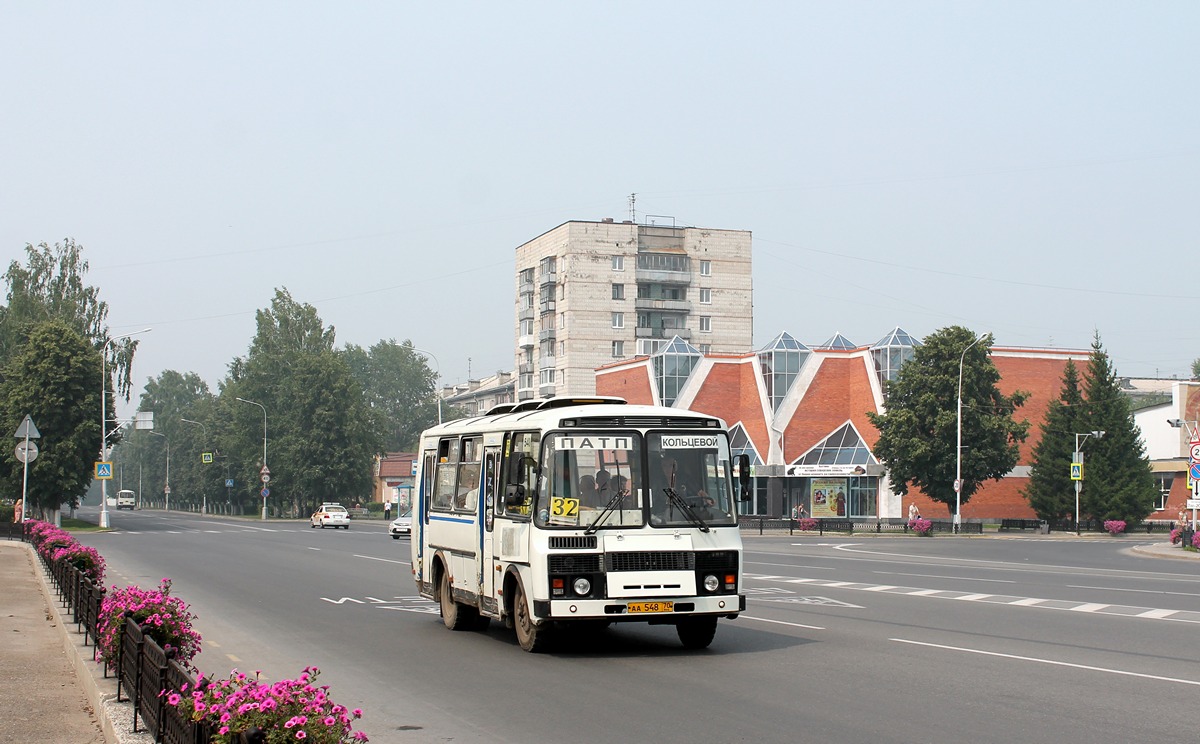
{"type": "Point", "coordinates": [1176, 534]}
{"type": "Point", "coordinates": [807, 524]}
{"type": "Point", "coordinates": [1114, 526]}
{"type": "Point", "coordinates": [162, 617]}
{"type": "Point", "coordinates": [86, 559]}
{"type": "Point", "coordinates": [288, 710]}
{"type": "Point", "coordinates": [921, 526]}
{"type": "Point", "coordinates": [375, 507]}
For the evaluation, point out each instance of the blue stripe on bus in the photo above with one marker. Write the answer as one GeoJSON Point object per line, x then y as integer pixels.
{"type": "Point", "coordinates": [459, 520]}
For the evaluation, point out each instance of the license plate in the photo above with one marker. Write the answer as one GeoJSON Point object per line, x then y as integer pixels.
{"type": "Point", "coordinates": [650, 607]}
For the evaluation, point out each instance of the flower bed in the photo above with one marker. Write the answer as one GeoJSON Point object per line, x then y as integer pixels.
{"type": "Point", "coordinates": [286, 711]}
{"type": "Point", "coordinates": [921, 526]}
{"type": "Point", "coordinates": [164, 618]}
{"type": "Point", "coordinates": [86, 559]}
{"type": "Point", "coordinates": [1114, 526]}
{"type": "Point", "coordinates": [807, 524]}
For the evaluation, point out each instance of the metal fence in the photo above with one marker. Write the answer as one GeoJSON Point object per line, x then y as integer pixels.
{"type": "Point", "coordinates": [846, 526]}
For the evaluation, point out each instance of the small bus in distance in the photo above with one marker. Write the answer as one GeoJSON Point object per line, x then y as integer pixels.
{"type": "Point", "coordinates": [562, 513]}
{"type": "Point", "coordinates": [126, 500]}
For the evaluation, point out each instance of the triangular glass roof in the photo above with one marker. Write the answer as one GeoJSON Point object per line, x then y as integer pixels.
{"type": "Point", "coordinates": [784, 342]}
{"type": "Point", "coordinates": [677, 346]}
{"type": "Point", "coordinates": [898, 337]}
{"type": "Point", "coordinates": [843, 447]}
{"type": "Point", "coordinates": [838, 343]}
{"type": "Point", "coordinates": [740, 444]}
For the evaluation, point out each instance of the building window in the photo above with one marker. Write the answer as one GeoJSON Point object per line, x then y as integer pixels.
{"type": "Point", "coordinates": [618, 291]}
{"type": "Point", "coordinates": [562, 348]}
{"type": "Point", "coordinates": [1164, 490]}
{"type": "Point", "coordinates": [618, 263]}
{"type": "Point", "coordinates": [706, 268]}
{"type": "Point", "coordinates": [705, 348]}
{"type": "Point", "coordinates": [618, 349]}
{"type": "Point", "coordinates": [527, 300]}
{"type": "Point", "coordinates": [706, 324]}
{"type": "Point", "coordinates": [562, 320]}
{"type": "Point", "coordinates": [527, 276]}
{"type": "Point", "coordinates": [546, 376]}
{"type": "Point", "coordinates": [526, 380]}
{"type": "Point", "coordinates": [618, 320]}
{"type": "Point", "coordinates": [705, 296]}
{"type": "Point", "coordinates": [548, 265]}
{"type": "Point", "coordinates": [527, 327]}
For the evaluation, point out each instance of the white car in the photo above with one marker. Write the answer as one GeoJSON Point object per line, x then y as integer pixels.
{"type": "Point", "coordinates": [330, 515]}
{"type": "Point", "coordinates": [401, 525]}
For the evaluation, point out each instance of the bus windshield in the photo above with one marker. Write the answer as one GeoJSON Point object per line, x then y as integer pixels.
{"type": "Point", "coordinates": [607, 479]}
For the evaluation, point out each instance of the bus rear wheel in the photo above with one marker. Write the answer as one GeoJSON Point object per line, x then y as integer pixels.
{"type": "Point", "coordinates": [696, 632]}
{"type": "Point", "coordinates": [531, 637]}
{"type": "Point", "coordinates": [456, 616]}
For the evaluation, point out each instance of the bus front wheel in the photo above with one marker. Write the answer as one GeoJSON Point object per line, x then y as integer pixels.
{"type": "Point", "coordinates": [696, 632]}
{"type": "Point", "coordinates": [531, 637]}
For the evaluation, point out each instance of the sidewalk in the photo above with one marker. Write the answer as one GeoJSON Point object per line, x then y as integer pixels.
{"type": "Point", "coordinates": [50, 689]}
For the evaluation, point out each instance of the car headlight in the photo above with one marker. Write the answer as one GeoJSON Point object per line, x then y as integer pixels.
{"type": "Point", "coordinates": [711, 583]}
{"type": "Point", "coordinates": [582, 586]}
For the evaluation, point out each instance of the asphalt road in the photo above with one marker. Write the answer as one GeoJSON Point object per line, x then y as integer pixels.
{"type": "Point", "coordinates": [865, 639]}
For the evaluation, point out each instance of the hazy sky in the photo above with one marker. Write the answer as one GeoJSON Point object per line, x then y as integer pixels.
{"type": "Point", "coordinates": [1025, 168]}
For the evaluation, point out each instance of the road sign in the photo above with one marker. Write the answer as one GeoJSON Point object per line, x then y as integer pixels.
{"type": "Point", "coordinates": [229, 482]}
{"type": "Point", "coordinates": [26, 451]}
{"type": "Point", "coordinates": [265, 492]}
{"type": "Point", "coordinates": [206, 458]}
{"type": "Point", "coordinates": [266, 477]}
{"type": "Point", "coordinates": [27, 430]}
{"type": "Point", "coordinates": [264, 470]}
{"type": "Point", "coordinates": [1195, 451]}
{"type": "Point", "coordinates": [1194, 471]}
{"type": "Point", "coordinates": [104, 471]}
{"type": "Point", "coordinates": [1077, 471]}
{"type": "Point", "coordinates": [1193, 504]}
{"type": "Point", "coordinates": [167, 489]}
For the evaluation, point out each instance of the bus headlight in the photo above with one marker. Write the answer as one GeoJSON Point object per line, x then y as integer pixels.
{"type": "Point", "coordinates": [711, 583]}
{"type": "Point", "coordinates": [582, 587]}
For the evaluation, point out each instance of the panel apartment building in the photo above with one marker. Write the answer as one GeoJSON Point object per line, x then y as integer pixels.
{"type": "Point", "coordinates": [591, 293]}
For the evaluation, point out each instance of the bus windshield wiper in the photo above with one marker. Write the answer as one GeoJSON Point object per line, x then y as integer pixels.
{"type": "Point", "coordinates": [591, 528]}
{"type": "Point", "coordinates": [686, 508]}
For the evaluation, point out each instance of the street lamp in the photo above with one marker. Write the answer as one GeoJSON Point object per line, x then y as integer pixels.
{"type": "Point", "coordinates": [203, 491]}
{"type": "Point", "coordinates": [439, 374]}
{"type": "Point", "coordinates": [1193, 430]}
{"type": "Point", "coordinates": [104, 422]}
{"type": "Point", "coordinates": [958, 444]}
{"type": "Point", "coordinates": [167, 486]}
{"type": "Point", "coordinates": [1077, 458]}
{"type": "Point", "coordinates": [265, 472]}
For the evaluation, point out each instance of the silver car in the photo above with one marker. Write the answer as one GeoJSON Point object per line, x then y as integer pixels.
{"type": "Point", "coordinates": [401, 525]}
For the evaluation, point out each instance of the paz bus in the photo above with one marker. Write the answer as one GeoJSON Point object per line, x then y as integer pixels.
{"type": "Point", "coordinates": [564, 513]}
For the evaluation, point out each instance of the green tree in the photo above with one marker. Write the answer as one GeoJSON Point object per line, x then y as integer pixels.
{"type": "Point", "coordinates": [918, 432]}
{"type": "Point", "coordinates": [52, 286]}
{"type": "Point", "coordinates": [1196, 369]}
{"type": "Point", "coordinates": [399, 390]}
{"type": "Point", "coordinates": [1118, 482]}
{"type": "Point", "coordinates": [321, 435]}
{"type": "Point", "coordinates": [1050, 490]}
{"type": "Point", "coordinates": [52, 378]}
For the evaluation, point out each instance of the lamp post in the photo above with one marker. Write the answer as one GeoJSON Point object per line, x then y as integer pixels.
{"type": "Point", "coordinates": [1193, 430]}
{"type": "Point", "coordinates": [104, 421]}
{"type": "Point", "coordinates": [167, 485]}
{"type": "Point", "coordinates": [1077, 458]}
{"type": "Point", "coordinates": [265, 471]}
{"type": "Point", "coordinates": [203, 491]}
{"type": "Point", "coordinates": [958, 443]}
{"type": "Point", "coordinates": [438, 369]}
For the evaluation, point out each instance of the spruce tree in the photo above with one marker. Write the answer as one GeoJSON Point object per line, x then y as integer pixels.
{"type": "Point", "coordinates": [1050, 490]}
{"type": "Point", "coordinates": [1118, 483]}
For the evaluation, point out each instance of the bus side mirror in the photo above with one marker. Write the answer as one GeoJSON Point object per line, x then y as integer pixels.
{"type": "Point", "coordinates": [743, 467]}
{"type": "Point", "coordinates": [514, 495]}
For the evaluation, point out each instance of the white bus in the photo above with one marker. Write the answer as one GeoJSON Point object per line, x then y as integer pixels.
{"type": "Point", "coordinates": [126, 500]}
{"type": "Point", "coordinates": [564, 512]}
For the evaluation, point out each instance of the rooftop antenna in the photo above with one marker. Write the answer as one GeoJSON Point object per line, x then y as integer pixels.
{"type": "Point", "coordinates": [468, 368]}
{"type": "Point", "coordinates": [633, 208]}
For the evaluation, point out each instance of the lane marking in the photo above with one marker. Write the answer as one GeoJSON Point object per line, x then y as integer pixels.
{"type": "Point", "coordinates": [974, 597]}
{"type": "Point", "coordinates": [781, 622]}
{"type": "Point", "coordinates": [382, 560]}
{"type": "Point", "coordinates": [936, 576]}
{"type": "Point", "coordinates": [1051, 662]}
{"type": "Point", "coordinates": [1157, 614]}
{"type": "Point", "coordinates": [1089, 607]}
{"type": "Point", "coordinates": [1142, 591]}
{"type": "Point", "coordinates": [316, 549]}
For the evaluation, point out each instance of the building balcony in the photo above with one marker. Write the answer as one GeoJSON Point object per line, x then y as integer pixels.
{"type": "Point", "coordinates": [675, 306]}
{"type": "Point", "coordinates": [525, 368]}
{"type": "Point", "coordinates": [664, 333]}
{"type": "Point", "coordinates": [547, 335]}
{"type": "Point", "coordinates": [524, 342]}
{"type": "Point", "coordinates": [546, 391]}
{"type": "Point", "coordinates": [551, 278]}
{"type": "Point", "coordinates": [547, 307]}
{"type": "Point", "coordinates": [654, 276]}
{"type": "Point", "coordinates": [527, 313]}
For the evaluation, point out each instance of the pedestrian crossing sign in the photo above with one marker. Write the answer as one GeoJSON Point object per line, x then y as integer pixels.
{"type": "Point", "coordinates": [1077, 471]}
{"type": "Point", "coordinates": [104, 471]}
{"type": "Point", "coordinates": [206, 458]}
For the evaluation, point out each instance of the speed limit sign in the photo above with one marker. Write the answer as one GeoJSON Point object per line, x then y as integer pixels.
{"type": "Point", "coordinates": [1195, 451]}
{"type": "Point", "coordinates": [266, 477]}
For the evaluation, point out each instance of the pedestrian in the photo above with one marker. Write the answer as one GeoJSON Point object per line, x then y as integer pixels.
{"type": "Point", "coordinates": [387, 510]}
{"type": "Point", "coordinates": [913, 512]}
{"type": "Point", "coordinates": [19, 504]}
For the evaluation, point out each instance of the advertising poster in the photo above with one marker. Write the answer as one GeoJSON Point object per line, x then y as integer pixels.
{"type": "Point", "coordinates": [828, 497]}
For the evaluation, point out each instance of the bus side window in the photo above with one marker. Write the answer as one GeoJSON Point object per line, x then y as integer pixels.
{"type": "Point", "coordinates": [466, 497]}
{"type": "Point", "coordinates": [520, 473]}
{"type": "Point", "coordinates": [447, 467]}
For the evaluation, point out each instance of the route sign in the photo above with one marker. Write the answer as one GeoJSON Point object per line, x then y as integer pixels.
{"type": "Point", "coordinates": [1077, 471]}
{"type": "Point", "coordinates": [104, 471]}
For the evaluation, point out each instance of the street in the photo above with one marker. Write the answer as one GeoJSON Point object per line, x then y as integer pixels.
{"type": "Point", "coordinates": [846, 639]}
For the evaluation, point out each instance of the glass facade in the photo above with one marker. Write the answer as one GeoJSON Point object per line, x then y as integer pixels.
{"type": "Point", "coordinates": [673, 364]}
{"type": "Point", "coordinates": [891, 352]}
{"type": "Point", "coordinates": [780, 362]}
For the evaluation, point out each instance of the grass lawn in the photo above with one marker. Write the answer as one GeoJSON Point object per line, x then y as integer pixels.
{"type": "Point", "coordinates": [78, 525]}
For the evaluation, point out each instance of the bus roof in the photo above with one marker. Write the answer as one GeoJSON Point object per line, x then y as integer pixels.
{"type": "Point", "coordinates": [550, 413]}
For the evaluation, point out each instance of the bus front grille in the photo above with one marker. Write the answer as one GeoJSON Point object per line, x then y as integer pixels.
{"type": "Point", "coordinates": [650, 561]}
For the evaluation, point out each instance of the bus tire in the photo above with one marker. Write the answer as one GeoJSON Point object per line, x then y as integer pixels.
{"type": "Point", "coordinates": [456, 616]}
{"type": "Point", "coordinates": [696, 633]}
{"type": "Point", "coordinates": [532, 638]}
